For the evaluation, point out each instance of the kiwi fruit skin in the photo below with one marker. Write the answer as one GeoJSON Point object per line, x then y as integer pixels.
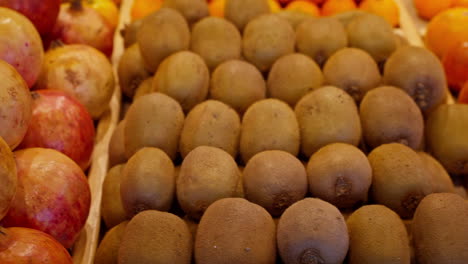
{"type": "Point", "coordinates": [108, 249]}
{"type": "Point", "coordinates": [116, 146]}
{"type": "Point", "coordinates": [292, 76]}
{"type": "Point", "coordinates": [192, 10]}
{"type": "Point", "coordinates": [267, 38]}
{"type": "Point", "coordinates": [269, 124]}
{"type": "Point", "coordinates": [147, 182]}
{"type": "Point", "coordinates": [389, 115]}
{"type": "Point", "coordinates": [327, 115]}
{"type": "Point", "coordinates": [377, 235]}
{"type": "Point", "coordinates": [216, 40]}
{"type": "Point", "coordinates": [211, 123]}
{"type": "Point", "coordinates": [129, 33]}
{"type": "Point", "coordinates": [319, 38]}
{"type": "Point", "coordinates": [145, 87]}
{"type": "Point", "coordinates": [440, 229]}
{"type": "Point", "coordinates": [131, 70]}
{"type": "Point", "coordinates": [234, 230]}
{"type": "Point", "coordinates": [372, 33]}
{"type": "Point", "coordinates": [241, 12]}
{"type": "Point", "coordinates": [400, 179]}
{"type": "Point", "coordinates": [185, 77]}
{"type": "Point", "coordinates": [312, 231]}
{"type": "Point", "coordinates": [346, 17]}
{"type": "Point", "coordinates": [419, 73]}
{"type": "Point", "coordinates": [440, 179]}
{"type": "Point", "coordinates": [446, 137]}
{"type": "Point", "coordinates": [153, 120]}
{"type": "Point", "coordinates": [156, 237]}
{"type": "Point", "coordinates": [238, 84]}
{"type": "Point", "coordinates": [352, 70]}
{"type": "Point", "coordinates": [112, 210]}
{"type": "Point", "coordinates": [274, 179]}
{"type": "Point", "coordinates": [295, 18]}
{"type": "Point", "coordinates": [161, 34]}
{"type": "Point", "coordinates": [340, 174]}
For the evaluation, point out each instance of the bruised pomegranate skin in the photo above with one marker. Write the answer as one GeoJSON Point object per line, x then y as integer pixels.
{"type": "Point", "coordinates": [19, 245]}
{"type": "Point", "coordinates": [42, 14]}
{"type": "Point", "coordinates": [62, 123]}
{"type": "Point", "coordinates": [53, 195]}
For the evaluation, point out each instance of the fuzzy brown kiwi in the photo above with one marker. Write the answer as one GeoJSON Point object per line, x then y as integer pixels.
{"type": "Point", "coordinates": [108, 250]}
{"type": "Point", "coordinates": [440, 229]}
{"type": "Point", "coordinates": [116, 146]}
{"type": "Point", "coordinates": [346, 17]}
{"type": "Point", "coordinates": [192, 10]}
{"type": "Point", "coordinates": [312, 231]}
{"type": "Point", "coordinates": [145, 87]}
{"type": "Point", "coordinates": [131, 70]}
{"type": "Point", "coordinates": [419, 73]}
{"type": "Point", "coordinates": [112, 210]}
{"type": "Point", "coordinates": [129, 33]}
{"type": "Point", "coordinates": [352, 70]}
{"type": "Point", "coordinates": [234, 230]}
{"type": "Point", "coordinates": [377, 235]}
{"type": "Point", "coordinates": [293, 76]}
{"type": "Point", "coordinates": [294, 17]}
{"type": "Point", "coordinates": [274, 179]}
{"type": "Point", "coordinates": [241, 12]}
{"type": "Point", "coordinates": [340, 174]}
{"type": "Point", "coordinates": [440, 179]}
{"type": "Point", "coordinates": [147, 182]}
{"type": "Point", "coordinates": [320, 38]}
{"type": "Point", "coordinates": [400, 179]}
{"type": "Point", "coordinates": [267, 38]}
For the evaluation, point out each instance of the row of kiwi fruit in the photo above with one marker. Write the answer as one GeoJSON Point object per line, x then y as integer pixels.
{"type": "Point", "coordinates": [232, 124]}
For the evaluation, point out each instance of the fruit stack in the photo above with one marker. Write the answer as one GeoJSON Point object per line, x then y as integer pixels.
{"type": "Point", "coordinates": [254, 138]}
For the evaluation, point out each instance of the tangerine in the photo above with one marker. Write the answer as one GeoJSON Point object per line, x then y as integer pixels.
{"type": "Point", "coordinates": [460, 3]}
{"type": "Point", "coordinates": [305, 7]}
{"type": "Point", "coordinates": [455, 63]}
{"type": "Point", "coordinates": [216, 8]}
{"type": "Point", "coordinates": [142, 8]}
{"type": "Point", "coordinates": [384, 8]}
{"type": "Point", "coordinates": [463, 96]}
{"type": "Point", "coordinates": [332, 7]}
{"type": "Point", "coordinates": [427, 9]}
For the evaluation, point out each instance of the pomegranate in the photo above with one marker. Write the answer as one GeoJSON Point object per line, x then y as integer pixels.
{"type": "Point", "coordinates": [19, 245]}
{"type": "Point", "coordinates": [8, 178]}
{"type": "Point", "coordinates": [81, 71]}
{"type": "Point", "coordinates": [20, 44]}
{"type": "Point", "coordinates": [42, 14]}
{"type": "Point", "coordinates": [62, 123]}
{"type": "Point", "coordinates": [80, 24]}
{"type": "Point", "coordinates": [53, 195]}
{"type": "Point", "coordinates": [15, 105]}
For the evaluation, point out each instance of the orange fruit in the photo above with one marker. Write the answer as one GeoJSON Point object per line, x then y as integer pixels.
{"type": "Point", "coordinates": [460, 3]}
{"type": "Point", "coordinates": [385, 8]}
{"type": "Point", "coordinates": [317, 2]}
{"type": "Point", "coordinates": [455, 63]}
{"type": "Point", "coordinates": [427, 9]}
{"type": "Point", "coordinates": [463, 96]}
{"type": "Point", "coordinates": [142, 8]}
{"type": "Point", "coordinates": [216, 8]}
{"type": "Point", "coordinates": [274, 6]}
{"type": "Point", "coordinates": [305, 7]}
{"type": "Point", "coordinates": [108, 9]}
{"type": "Point", "coordinates": [447, 29]}
{"type": "Point", "coordinates": [332, 7]}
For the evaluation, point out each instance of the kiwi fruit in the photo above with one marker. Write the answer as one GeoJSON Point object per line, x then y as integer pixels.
{"type": "Point", "coordinates": [211, 123]}
{"type": "Point", "coordinates": [240, 185]}
{"type": "Point", "coordinates": [161, 34]}
{"type": "Point", "coordinates": [312, 231]}
{"type": "Point", "coordinates": [440, 179]}
{"type": "Point", "coordinates": [419, 73]}
{"type": "Point", "coordinates": [388, 114]}
{"type": "Point", "coordinates": [153, 120]}
{"type": "Point", "coordinates": [340, 174]}
{"type": "Point", "coordinates": [238, 84]}
{"type": "Point", "coordinates": [346, 17]}
{"type": "Point", "coordinates": [377, 235]}
{"type": "Point", "coordinates": [129, 33]}
{"type": "Point", "coordinates": [274, 179]}
{"type": "Point", "coordinates": [399, 178]}
{"type": "Point", "coordinates": [292, 76]}
{"type": "Point", "coordinates": [440, 229]}
{"type": "Point", "coordinates": [267, 38]}
{"type": "Point", "coordinates": [241, 12]}
{"type": "Point", "coordinates": [447, 138]}
{"type": "Point", "coordinates": [192, 225]}
{"type": "Point", "coordinates": [131, 70]}
{"type": "Point", "coordinates": [112, 210]}
{"type": "Point", "coordinates": [327, 115]}
{"type": "Point", "coordinates": [294, 17]}
{"type": "Point", "coordinates": [192, 10]}
{"type": "Point", "coordinates": [372, 33]}
{"type": "Point", "coordinates": [145, 87]}
{"type": "Point", "coordinates": [156, 237]}
{"type": "Point", "coordinates": [216, 40]}
{"type": "Point", "coordinates": [8, 177]}
{"type": "Point", "coordinates": [269, 124]}
{"type": "Point", "coordinates": [234, 230]}
{"type": "Point", "coordinates": [352, 70]}
{"type": "Point", "coordinates": [319, 38]}
{"type": "Point", "coordinates": [147, 182]}
{"type": "Point", "coordinates": [116, 146]}
{"type": "Point", "coordinates": [108, 249]}
{"type": "Point", "coordinates": [207, 174]}
{"type": "Point", "coordinates": [185, 77]}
